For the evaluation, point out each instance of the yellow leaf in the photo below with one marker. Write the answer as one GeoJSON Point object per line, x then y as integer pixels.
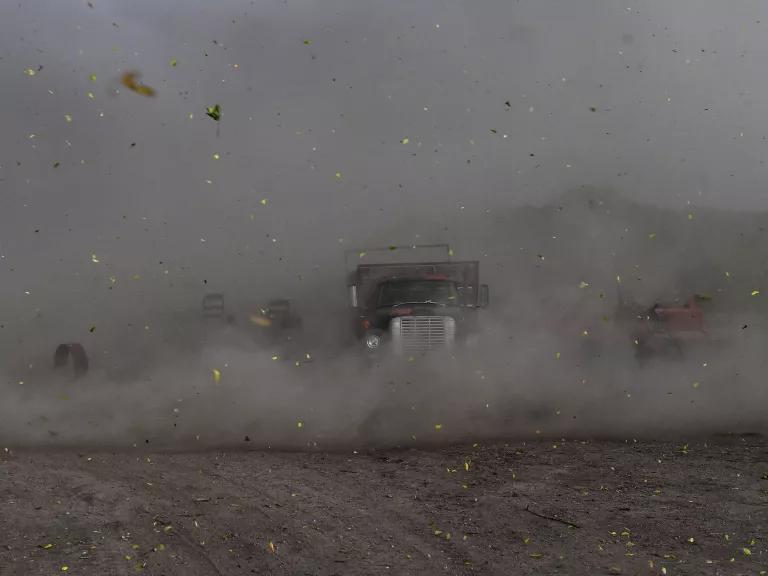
{"type": "Point", "coordinates": [405, 140]}
{"type": "Point", "coordinates": [216, 375]}
{"type": "Point", "coordinates": [438, 427]}
{"type": "Point", "coordinates": [271, 547]}
{"type": "Point", "coordinates": [131, 81]}
{"type": "Point", "coordinates": [755, 292]}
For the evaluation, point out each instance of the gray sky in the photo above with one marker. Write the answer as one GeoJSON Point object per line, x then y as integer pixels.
{"type": "Point", "coordinates": [679, 116]}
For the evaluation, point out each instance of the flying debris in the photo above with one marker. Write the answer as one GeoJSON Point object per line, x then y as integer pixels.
{"type": "Point", "coordinates": [213, 112]}
{"type": "Point", "coordinates": [130, 80]}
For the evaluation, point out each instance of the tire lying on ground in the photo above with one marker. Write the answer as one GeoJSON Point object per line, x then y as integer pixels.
{"type": "Point", "coordinates": [75, 351]}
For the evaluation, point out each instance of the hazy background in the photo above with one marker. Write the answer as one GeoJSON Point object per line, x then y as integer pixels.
{"type": "Point", "coordinates": [557, 142]}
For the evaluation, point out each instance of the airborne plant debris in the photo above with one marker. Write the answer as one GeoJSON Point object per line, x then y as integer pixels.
{"type": "Point", "coordinates": [130, 80]}
{"type": "Point", "coordinates": [213, 112]}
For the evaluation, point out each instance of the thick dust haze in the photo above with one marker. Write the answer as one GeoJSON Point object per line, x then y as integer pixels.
{"type": "Point", "coordinates": [582, 151]}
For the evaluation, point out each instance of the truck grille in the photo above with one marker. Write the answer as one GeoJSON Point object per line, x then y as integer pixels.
{"type": "Point", "coordinates": [422, 333]}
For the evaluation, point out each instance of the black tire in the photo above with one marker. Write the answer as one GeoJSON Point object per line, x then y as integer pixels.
{"type": "Point", "coordinates": [79, 358]}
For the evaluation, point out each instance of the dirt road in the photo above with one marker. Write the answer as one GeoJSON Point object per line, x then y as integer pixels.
{"type": "Point", "coordinates": [543, 507]}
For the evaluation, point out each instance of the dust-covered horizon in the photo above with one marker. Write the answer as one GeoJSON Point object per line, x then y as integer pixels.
{"type": "Point", "coordinates": [552, 358]}
{"type": "Point", "coordinates": [579, 151]}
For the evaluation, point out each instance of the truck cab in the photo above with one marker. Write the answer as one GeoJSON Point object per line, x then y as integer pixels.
{"type": "Point", "coordinates": [412, 308]}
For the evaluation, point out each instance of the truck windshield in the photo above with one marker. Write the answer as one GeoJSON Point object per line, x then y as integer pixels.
{"type": "Point", "coordinates": [399, 292]}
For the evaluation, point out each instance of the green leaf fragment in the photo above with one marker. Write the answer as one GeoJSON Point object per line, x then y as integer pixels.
{"type": "Point", "coordinates": [213, 112]}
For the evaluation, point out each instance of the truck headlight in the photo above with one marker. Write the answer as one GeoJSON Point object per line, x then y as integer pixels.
{"type": "Point", "coordinates": [372, 341]}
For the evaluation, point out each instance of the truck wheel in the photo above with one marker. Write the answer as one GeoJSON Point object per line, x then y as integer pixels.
{"type": "Point", "coordinates": [377, 430]}
{"type": "Point", "coordinates": [383, 426]}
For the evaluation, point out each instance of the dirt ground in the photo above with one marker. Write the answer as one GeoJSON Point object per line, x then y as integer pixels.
{"type": "Point", "coordinates": [542, 507]}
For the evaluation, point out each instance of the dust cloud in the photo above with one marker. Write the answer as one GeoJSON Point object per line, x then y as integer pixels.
{"type": "Point", "coordinates": [552, 358]}
{"type": "Point", "coordinates": [585, 153]}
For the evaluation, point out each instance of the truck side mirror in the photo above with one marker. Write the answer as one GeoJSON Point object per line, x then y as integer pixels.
{"type": "Point", "coordinates": [485, 297]}
{"type": "Point", "coordinates": [353, 296]}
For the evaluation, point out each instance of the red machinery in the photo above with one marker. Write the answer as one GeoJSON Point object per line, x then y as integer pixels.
{"type": "Point", "coordinates": [667, 329]}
